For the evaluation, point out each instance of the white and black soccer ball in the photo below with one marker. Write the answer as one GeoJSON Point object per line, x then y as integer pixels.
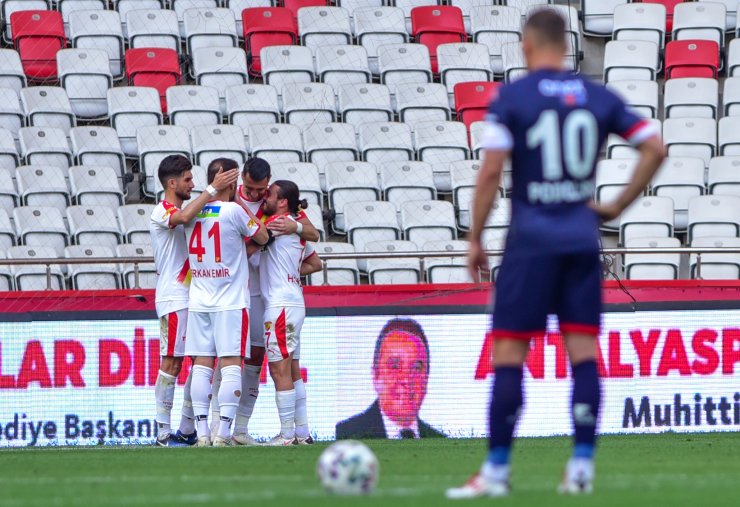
{"type": "Point", "coordinates": [348, 467]}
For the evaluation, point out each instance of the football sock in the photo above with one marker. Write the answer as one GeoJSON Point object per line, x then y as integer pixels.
{"type": "Point", "coordinates": [200, 391]}
{"type": "Point", "coordinates": [250, 392]}
{"type": "Point", "coordinates": [301, 413]}
{"type": "Point", "coordinates": [506, 401]}
{"type": "Point", "coordinates": [215, 386]}
{"type": "Point", "coordinates": [164, 393]}
{"type": "Point", "coordinates": [286, 410]}
{"type": "Point", "coordinates": [187, 419]}
{"type": "Point", "coordinates": [228, 397]}
{"type": "Point", "coordinates": [585, 404]}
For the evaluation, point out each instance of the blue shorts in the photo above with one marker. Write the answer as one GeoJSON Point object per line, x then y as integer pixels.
{"type": "Point", "coordinates": [531, 287]}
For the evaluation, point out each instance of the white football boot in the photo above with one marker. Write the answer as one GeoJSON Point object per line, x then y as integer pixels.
{"type": "Point", "coordinates": [244, 439]}
{"type": "Point", "coordinates": [304, 441]}
{"type": "Point", "coordinates": [279, 440]}
{"type": "Point", "coordinates": [479, 487]}
{"type": "Point", "coordinates": [578, 478]}
{"type": "Point", "coordinates": [204, 441]}
{"type": "Point", "coordinates": [222, 442]}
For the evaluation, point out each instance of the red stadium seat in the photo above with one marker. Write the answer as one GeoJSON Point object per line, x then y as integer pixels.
{"type": "Point", "coordinates": [691, 58]}
{"type": "Point", "coordinates": [669, 6]}
{"type": "Point", "coordinates": [154, 67]}
{"type": "Point", "coordinates": [38, 35]}
{"type": "Point", "coordinates": [267, 26]}
{"type": "Point", "coordinates": [472, 100]}
{"type": "Point", "coordinates": [437, 24]}
{"type": "Point", "coordinates": [294, 5]}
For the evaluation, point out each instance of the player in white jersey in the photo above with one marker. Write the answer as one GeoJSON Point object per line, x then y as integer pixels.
{"type": "Point", "coordinates": [255, 180]}
{"type": "Point", "coordinates": [282, 263]}
{"type": "Point", "coordinates": [166, 227]}
{"type": "Point", "coordinates": [218, 318]}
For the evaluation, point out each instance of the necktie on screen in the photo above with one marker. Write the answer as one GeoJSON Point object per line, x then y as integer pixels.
{"type": "Point", "coordinates": [407, 433]}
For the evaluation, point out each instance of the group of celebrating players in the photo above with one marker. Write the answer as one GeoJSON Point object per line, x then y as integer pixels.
{"type": "Point", "coordinates": [229, 267]}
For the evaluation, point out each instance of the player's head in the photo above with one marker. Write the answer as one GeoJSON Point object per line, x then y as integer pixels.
{"type": "Point", "coordinates": [255, 178]}
{"type": "Point", "coordinates": [222, 164]}
{"type": "Point", "coordinates": [401, 369]}
{"type": "Point", "coordinates": [283, 197]}
{"type": "Point", "coordinates": [544, 37]}
{"type": "Point", "coordinates": [176, 175]}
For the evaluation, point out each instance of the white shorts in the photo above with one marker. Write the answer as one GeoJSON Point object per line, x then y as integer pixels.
{"type": "Point", "coordinates": [283, 331]}
{"type": "Point", "coordinates": [218, 334]}
{"type": "Point", "coordinates": [172, 330]}
{"type": "Point", "coordinates": [256, 321]}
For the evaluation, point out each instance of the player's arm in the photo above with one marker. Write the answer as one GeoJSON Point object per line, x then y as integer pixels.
{"type": "Point", "coordinates": [188, 213]}
{"type": "Point", "coordinates": [311, 264]}
{"type": "Point", "coordinates": [305, 230]}
{"type": "Point", "coordinates": [256, 230]}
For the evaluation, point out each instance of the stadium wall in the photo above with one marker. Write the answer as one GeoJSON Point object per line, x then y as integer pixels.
{"type": "Point", "coordinates": [80, 367]}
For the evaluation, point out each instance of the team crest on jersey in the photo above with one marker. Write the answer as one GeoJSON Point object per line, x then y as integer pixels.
{"type": "Point", "coordinates": [571, 92]}
{"type": "Point", "coordinates": [268, 325]}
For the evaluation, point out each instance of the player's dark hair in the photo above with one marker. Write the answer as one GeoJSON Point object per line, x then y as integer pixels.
{"type": "Point", "coordinates": [217, 164]}
{"type": "Point", "coordinates": [289, 190]}
{"type": "Point", "coordinates": [548, 25]}
{"type": "Point", "coordinates": [408, 326]}
{"type": "Point", "coordinates": [257, 168]}
{"type": "Point", "coordinates": [173, 166]}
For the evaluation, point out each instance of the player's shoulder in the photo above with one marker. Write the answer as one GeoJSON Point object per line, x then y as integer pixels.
{"type": "Point", "coordinates": [162, 210]}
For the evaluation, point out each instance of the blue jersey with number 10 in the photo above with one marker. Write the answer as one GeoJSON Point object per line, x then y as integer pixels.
{"type": "Point", "coordinates": [555, 123]}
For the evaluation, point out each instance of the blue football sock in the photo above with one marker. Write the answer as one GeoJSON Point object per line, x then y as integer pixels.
{"type": "Point", "coordinates": [506, 401]}
{"type": "Point", "coordinates": [585, 408]}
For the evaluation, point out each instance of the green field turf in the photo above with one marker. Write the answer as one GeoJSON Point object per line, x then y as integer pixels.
{"type": "Point", "coordinates": [651, 470]}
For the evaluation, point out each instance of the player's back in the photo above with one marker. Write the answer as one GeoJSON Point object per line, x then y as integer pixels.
{"type": "Point", "coordinates": [280, 265]}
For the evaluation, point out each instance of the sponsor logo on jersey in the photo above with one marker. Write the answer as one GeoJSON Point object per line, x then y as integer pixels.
{"type": "Point", "coordinates": [210, 211]}
{"type": "Point", "coordinates": [571, 92]}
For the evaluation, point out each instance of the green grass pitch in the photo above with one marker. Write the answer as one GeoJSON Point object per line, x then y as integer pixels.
{"type": "Point", "coordinates": [650, 470]}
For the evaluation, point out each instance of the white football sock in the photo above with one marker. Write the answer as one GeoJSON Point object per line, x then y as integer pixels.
{"type": "Point", "coordinates": [201, 391]}
{"type": "Point", "coordinates": [216, 385]}
{"type": "Point", "coordinates": [301, 413]}
{"type": "Point", "coordinates": [286, 410]}
{"type": "Point", "coordinates": [250, 392]}
{"type": "Point", "coordinates": [228, 397]}
{"type": "Point", "coordinates": [187, 419]}
{"type": "Point", "coordinates": [495, 473]}
{"type": "Point", "coordinates": [164, 393]}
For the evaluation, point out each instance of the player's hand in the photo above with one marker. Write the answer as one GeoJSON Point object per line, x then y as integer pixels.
{"type": "Point", "coordinates": [282, 225]}
{"type": "Point", "coordinates": [606, 212]}
{"type": "Point", "coordinates": [477, 261]}
{"type": "Point", "coordinates": [224, 180]}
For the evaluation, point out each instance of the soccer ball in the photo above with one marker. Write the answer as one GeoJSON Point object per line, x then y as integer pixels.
{"type": "Point", "coordinates": [348, 467]}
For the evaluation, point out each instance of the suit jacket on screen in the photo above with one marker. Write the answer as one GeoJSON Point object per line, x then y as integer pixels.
{"type": "Point", "coordinates": [369, 424]}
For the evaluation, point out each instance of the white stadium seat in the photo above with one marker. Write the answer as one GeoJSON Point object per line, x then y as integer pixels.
{"type": "Point", "coordinates": [680, 178]}
{"type": "Point", "coordinates": [691, 137]}
{"type": "Point", "coordinates": [716, 266]}
{"type": "Point", "coordinates": [364, 103]}
{"type": "Point", "coordinates": [92, 276]}
{"type": "Point", "coordinates": [69, 7]}
{"type": "Point", "coordinates": [377, 26]}
{"type": "Point", "coordinates": [385, 142]}
{"type": "Point", "coordinates": [598, 16]}
{"type": "Point", "coordinates": [93, 225]}
{"type": "Point", "coordinates": [48, 106]}
{"type": "Point", "coordinates": [182, 6]}
{"type": "Point", "coordinates": [324, 26]}
{"type": "Point", "coordinates": [276, 143]}
{"type": "Point", "coordinates": [7, 231]}
{"type": "Point", "coordinates": [99, 30]}
{"type": "Point", "coordinates": [86, 75]}
{"type": "Point", "coordinates": [494, 26]}
{"type": "Point", "coordinates": [11, 70]}
{"type": "Point", "coordinates": [30, 277]}
{"type": "Point", "coordinates": [441, 141]}
{"type": "Point", "coordinates": [642, 96]}
{"type": "Point", "coordinates": [214, 141]}
{"type": "Point", "coordinates": [11, 114]}
{"type": "Point", "coordinates": [315, 216]}
{"type": "Point", "coordinates": [512, 61]}
{"type": "Point", "coordinates": [407, 181]}
{"type": "Point", "coordinates": [342, 64]}
{"type": "Point", "coordinates": [338, 271]}
{"type": "Point", "coordinates": [45, 146]}
{"type": "Point", "coordinates": [95, 186]}
{"type": "Point", "coordinates": [612, 176]}
{"type": "Point", "coordinates": [404, 63]}
{"type": "Point", "coordinates": [651, 266]}
{"type": "Point", "coordinates": [727, 138]}
{"type": "Point", "coordinates": [125, 7]}
{"type": "Point", "coordinates": [286, 64]}
{"type": "Point", "coordinates": [189, 106]}
{"type": "Point", "coordinates": [41, 226]}
{"type": "Point", "coordinates": [700, 20]}
{"type": "Point", "coordinates": [308, 103]}
{"type": "Point", "coordinates": [147, 273]}
{"type": "Point", "coordinates": [370, 221]}
{"type": "Point", "coordinates": [733, 58]}
{"type": "Point", "coordinates": [731, 97]}
{"type": "Point", "coordinates": [8, 194]}
{"type": "Point", "coordinates": [206, 28]}
{"type": "Point", "coordinates": [731, 9]}
{"type": "Point", "coordinates": [153, 28]}
{"type": "Point", "coordinates": [447, 269]}
{"type": "Point", "coordinates": [416, 103]}
{"type": "Point", "coordinates": [392, 270]}
{"type": "Point", "coordinates": [714, 215]}
{"type": "Point", "coordinates": [305, 175]}
{"type": "Point", "coordinates": [220, 68]}
{"type": "Point", "coordinates": [691, 97]}
{"type": "Point", "coordinates": [252, 104]}
{"type": "Point", "coordinates": [462, 62]}
{"type": "Point", "coordinates": [348, 182]}
{"type": "Point", "coordinates": [723, 177]}
{"type": "Point", "coordinates": [424, 221]}
{"type": "Point", "coordinates": [9, 157]}
{"type": "Point", "coordinates": [43, 186]}
{"type": "Point", "coordinates": [330, 142]}
{"type": "Point", "coordinates": [631, 60]}
{"type": "Point", "coordinates": [155, 143]}
{"type": "Point", "coordinates": [99, 146]}
{"type": "Point", "coordinates": [640, 21]}
{"type": "Point", "coordinates": [647, 217]}
{"type": "Point", "coordinates": [132, 107]}
{"type": "Point", "coordinates": [133, 221]}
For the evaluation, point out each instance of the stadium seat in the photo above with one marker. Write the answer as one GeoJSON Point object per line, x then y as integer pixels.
{"type": "Point", "coordinates": [692, 58]}
{"type": "Point", "coordinates": [473, 98]}
{"type": "Point", "coordinates": [378, 26]}
{"type": "Point", "coordinates": [407, 181]}
{"type": "Point", "coordinates": [99, 146]}
{"type": "Point", "coordinates": [404, 63]}
{"type": "Point", "coordinates": [640, 21]}
{"type": "Point", "coordinates": [364, 103]}
{"type": "Point", "coordinates": [38, 35]}
{"type": "Point", "coordinates": [417, 103]}
{"type": "Point", "coordinates": [329, 142]}
{"type": "Point", "coordinates": [324, 26]}
{"type": "Point", "coordinates": [95, 186]}
{"type": "Point", "coordinates": [189, 106]}
{"type": "Point", "coordinates": [43, 186]}
{"type": "Point", "coordinates": [391, 270]}
{"type": "Point", "coordinates": [669, 7]}
{"type": "Point", "coordinates": [731, 97]}
{"type": "Point", "coordinates": [85, 74]}
{"type": "Point", "coordinates": [351, 6]}
{"type": "Point", "coordinates": [463, 176]}
{"type": "Point", "coordinates": [435, 25]}
{"type": "Point", "coordinates": [237, 7]}
{"type": "Point", "coordinates": [641, 96]}
{"type": "Point", "coordinates": [11, 70]}
{"type": "Point", "coordinates": [92, 276]}
{"type": "Point", "coordinates": [700, 21]}
{"type": "Point", "coordinates": [348, 182]}
{"type": "Point", "coordinates": [220, 68]}
{"type": "Point", "coordinates": [631, 60]}
{"type": "Point", "coordinates": [524, 5]}
{"type": "Point", "coordinates": [495, 26]}
{"type": "Point", "coordinates": [446, 269]}
{"type": "Point", "coordinates": [9, 157]}
{"type": "Point", "coordinates": [47, 106]}
{"type": "Point", "coordinates": [680, 178]}
{"type": "Point", "coordinates": [616, 147]}
{"type": "Point", "coordinates": [370, 221]}
{"type": "Point", "coordinates": [714, 215]}
{"type": "Point", "coordinates": [213, 141]}
{"type": "Point", "coordinates": [497, 224]}
{"type": "Point", "coordinates": [733, 58]}
{"type": "Point", "coordinates": [8, 7]}
{"type": "Point", "coordinates": [124, 7]}
{"type": "Point", "coordinates": [308, 103]}
{"type": "Point", "coordinates": [462, 62]}
{"type": "Point", "coordinates": [731, 12]}
{"type": "Point", "coordinates": [45, 146]}
{"type": "Point", "coordinates": [157, 68]}
{"type": "Point", "coordinates": [8, 194]}
{"type": "Point", "coordinates": [132, 107]}
{"type": "Point", "coordinates": [7, 231]}
{"type": "Point", "coordinates": [306, 176]}
{"type": "Point", "coordinates": [314, 214]}
{"type": "Point", "coordinates": [691, 98]}
{"type": "Point", "coordinates": [252, 104]}
{"type": "Point", "coordinates": [153, 28]}
{"type": "Point", "coordinates": [337, 271]}
{"type": "Point", "coordinates": [728, 141]}
{"type": "Point", "coordinates": [155, 143]}
{"type": "Point", "coordinates": [647, 266]}
{"type": "Point", "coordinates": [612, 176]}
{"type": "Point", "coordinates": [69, 7]}
{"type": "Point", "coordinates": [598, 16]}
{"type": "Point", "coordinates": [99, 30]}
{"type": "Point", "coordinates": [11, 114]}
{"type": "Point", "coordinates": [424, 221]}
{"type": "Point", "coordinates": [723, 177]}
{"type": "Point", "coordinates": [512, 60]}
{"type": "Point", "coordinates": [147, 273]}
{"type": "Point", "coordinates": [441, 141]}
{"type": "Point", "coordinates": [7, 282]}
{"type": "Point", "coordinates": [342, 64]}
{"type": "Point", "coordinates": [276, 143]}
{"type": "Point", "coordinates": [209, 27]}
{"type": "Point", "coordinates": [409, 5]}
{"type": "Point", "coordinates": [41, 226]}
{"type": "Point", "coordinates": [383, 142]}
{"type": "Point", "coordinates": [466, 7]}
{"type": "Point", "coordinates": [93, 225]}
{"type": "Point", "coordinates": [286, 64]}
{"type": "Point", "coordinates": [716, 266]}
{"type": "Point", "coordinates": [691, 137]}
{"type": "Point", "coordinates": [647, 217]}
{"type": "Point", "coordinates": [133, 220]}
{"type": "Point", "coordinates": [30, 277]}
{"type": "Point", "coordinates": [182, 6]}
{"type": "Point", "coordinates": [264, 27]}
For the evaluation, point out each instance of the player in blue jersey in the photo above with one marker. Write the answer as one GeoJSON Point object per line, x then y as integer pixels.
{"type": "Point", "coordinates": [552, 123]}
